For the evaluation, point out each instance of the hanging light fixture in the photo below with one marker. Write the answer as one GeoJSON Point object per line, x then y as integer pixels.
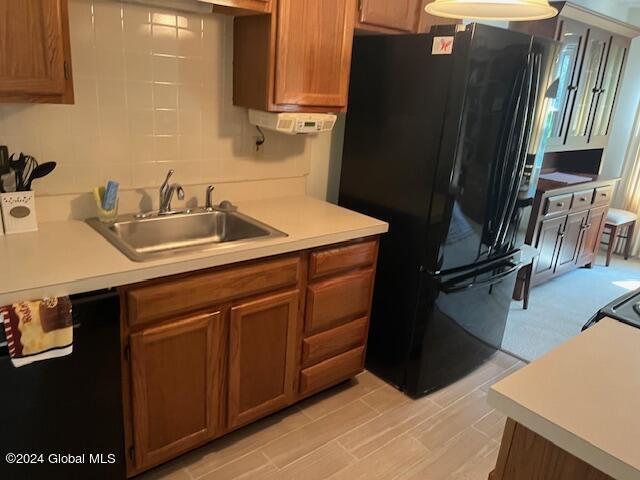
{"type": "Point", "coordinates": [492, 9]}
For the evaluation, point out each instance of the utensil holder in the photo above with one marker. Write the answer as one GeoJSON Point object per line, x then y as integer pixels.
{"type": "Point", "coordinates": [19, 212]}
{"type": "Point", "coordinates": [105, 216]}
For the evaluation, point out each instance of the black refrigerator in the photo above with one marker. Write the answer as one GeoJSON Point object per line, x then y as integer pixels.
{"type": "Point", "coordinates": [444, 140]}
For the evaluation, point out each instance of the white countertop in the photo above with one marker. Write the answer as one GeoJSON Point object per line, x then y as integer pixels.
{"type": "Point", "coordinates": [68, 257]}
{"type": "Point", "coordinates": [584, 397]}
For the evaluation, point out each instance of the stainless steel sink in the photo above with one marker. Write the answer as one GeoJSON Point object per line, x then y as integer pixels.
{"type": "Point", "coordinates": [143, 239]}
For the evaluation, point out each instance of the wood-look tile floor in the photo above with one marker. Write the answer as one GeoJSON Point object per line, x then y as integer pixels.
{"type": "Point", "coordinates": [362, 430]}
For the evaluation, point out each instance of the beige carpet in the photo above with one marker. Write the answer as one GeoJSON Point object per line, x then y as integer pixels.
{"type": "Point", "coordinates": [559, 308]}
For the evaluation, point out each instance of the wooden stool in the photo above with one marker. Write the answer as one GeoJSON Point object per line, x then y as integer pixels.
{"type": "Point", "coordinates": [617, 220]}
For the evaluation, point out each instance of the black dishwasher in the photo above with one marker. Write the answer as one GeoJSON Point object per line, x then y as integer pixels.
{"type": "Point", "coordinates": [63, 416]}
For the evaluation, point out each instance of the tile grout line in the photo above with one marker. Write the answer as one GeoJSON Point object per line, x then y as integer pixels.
{"type": "Point", "coordinates": [406, 432]}
{"type": "Point", "coordinates": [311, 421]}
{"type": "Point", "coordinates": [270, 461]}
{"type": "Point", "coordinates": [335, 439]}
{"type": "Point", "coordinates": [480, 431]}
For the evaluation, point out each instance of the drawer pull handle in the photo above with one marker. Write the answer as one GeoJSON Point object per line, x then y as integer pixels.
{"type": "Point", "coordinates": [582, 199]}
{"type": "Point", "coordinates": [560, 204]}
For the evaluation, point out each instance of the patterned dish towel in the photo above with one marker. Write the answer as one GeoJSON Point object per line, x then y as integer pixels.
{"type": "Point", "coordinates": [38, 330]}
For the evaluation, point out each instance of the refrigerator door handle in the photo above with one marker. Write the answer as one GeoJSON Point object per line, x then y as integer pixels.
{"type": "Point", "coordinates": [459, 287]}
{"type": "Point", "coordinates": [523, 145]}
{"type": "Point", "coordinates": [497, 184]}
{"type": "Point", "coordinates": [504, 165]}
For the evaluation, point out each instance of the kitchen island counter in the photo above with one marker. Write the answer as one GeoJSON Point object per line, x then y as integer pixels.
{"type": "Point", "coordinates": [582, 398]}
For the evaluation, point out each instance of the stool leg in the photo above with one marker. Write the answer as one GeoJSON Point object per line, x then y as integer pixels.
{"type": "Point", "coordinates": [629, 240]}
{"type": "Point", "coordinates": [613, 236]}
{"type": "Point", "coordinates": [527, 286]}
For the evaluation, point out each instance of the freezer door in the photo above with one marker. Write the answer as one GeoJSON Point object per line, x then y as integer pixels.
{"type": "Point", "coordinates": [460, 323]}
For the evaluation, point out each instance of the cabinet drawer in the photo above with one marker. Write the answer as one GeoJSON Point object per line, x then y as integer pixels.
{"type": "Point", "coordinates": [185, 294]}
{"type": "Point", "coordinates": [582, 199]}
{"type": "Point", "coordinates": [332, 342]}
{"type": "Point", "coordinates": [603, 195]}
{"type": "Point", "coordinates": [558, 204]}
{"type": "Point", "coordinates": [335, 260]}
{"type": "Point", "coordinates": [336, 301]}
{"type": "Point", "coordinates": [332, 371]}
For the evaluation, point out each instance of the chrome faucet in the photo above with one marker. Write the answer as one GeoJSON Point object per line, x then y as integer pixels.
{"type": "Point", "coordinates": [166, 194]}
{"type": "Point", "coordinates": [208, 201]}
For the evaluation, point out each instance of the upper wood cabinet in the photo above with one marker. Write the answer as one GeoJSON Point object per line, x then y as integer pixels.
{"type": "Point", "coordinates": [573, 36]}
{"type": "Point", "coordinates": [262, 356]}
{"type": "Point", "coordinates": [297, 59]}
{"type": "Point", "coordinates": [400, 15]}
{"type": "Point", "coordinates": [241, 7]}
{"type": "Point", "coordinates": [35, 53]}
{"type": "Point", "coordinates": [175, 378]}
{"type": "Point", "coordinates": [589, 69]}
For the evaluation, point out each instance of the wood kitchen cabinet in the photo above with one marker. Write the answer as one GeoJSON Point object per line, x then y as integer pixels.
{"type": "Point", "coordinates": [565, 226]}
{"type": "Point", "coordinates": [296, 59]}
{"type": "Point", "coordinates": [593, 232]}
{"type": "Point", "coordinates": [262, 356]}
{"type": "Point", "coordinates": [567, 69]}
{"type": "Point", "coordinates": [594, 61]}
{"type": "Point", "coordinates": [607, 89]}
{"type": "Point", "coordinates": [548, 239]}
{"type": "Point", "coordinates": [241, 7]}
{"type": "Point", "coordinates": [526, 455]}
{"type": "Point", "coordinates": [403, 16]}
{"type": "Point", "coordinates": [570, 241]}
{"type": "Point", "coordinates": [35, 52]}
{"type": "Point", "coordinates": [382, 15]}
{"type": "Point", "coordinates": [209, 351]}
{"type": "Point", "coordinates": [175, 386]}
{"type": "Point", "coordinates": [589, 69]}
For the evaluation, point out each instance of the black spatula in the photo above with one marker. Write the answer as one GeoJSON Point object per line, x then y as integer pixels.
{"type": "Point", "coordinates": [40, 171]}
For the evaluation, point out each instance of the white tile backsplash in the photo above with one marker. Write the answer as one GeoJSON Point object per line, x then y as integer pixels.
{"type": "Point", "coordinates": [152, 92]}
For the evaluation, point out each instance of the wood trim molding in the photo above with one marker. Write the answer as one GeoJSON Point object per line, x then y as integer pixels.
{"type": "Point", "coordinates": [597, 19]}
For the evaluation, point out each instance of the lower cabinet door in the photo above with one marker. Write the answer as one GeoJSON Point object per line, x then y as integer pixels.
{"type": "Point", "coordinates": [571, 241]}
{"type": "Point", "coordinates": [175, 377]}
{"type": "Point", "coordinates": [592, 234]}
{"type": "Point", "coordinates": [262, 356]}
{"type": "Point", "coordinates": [549, 237]}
